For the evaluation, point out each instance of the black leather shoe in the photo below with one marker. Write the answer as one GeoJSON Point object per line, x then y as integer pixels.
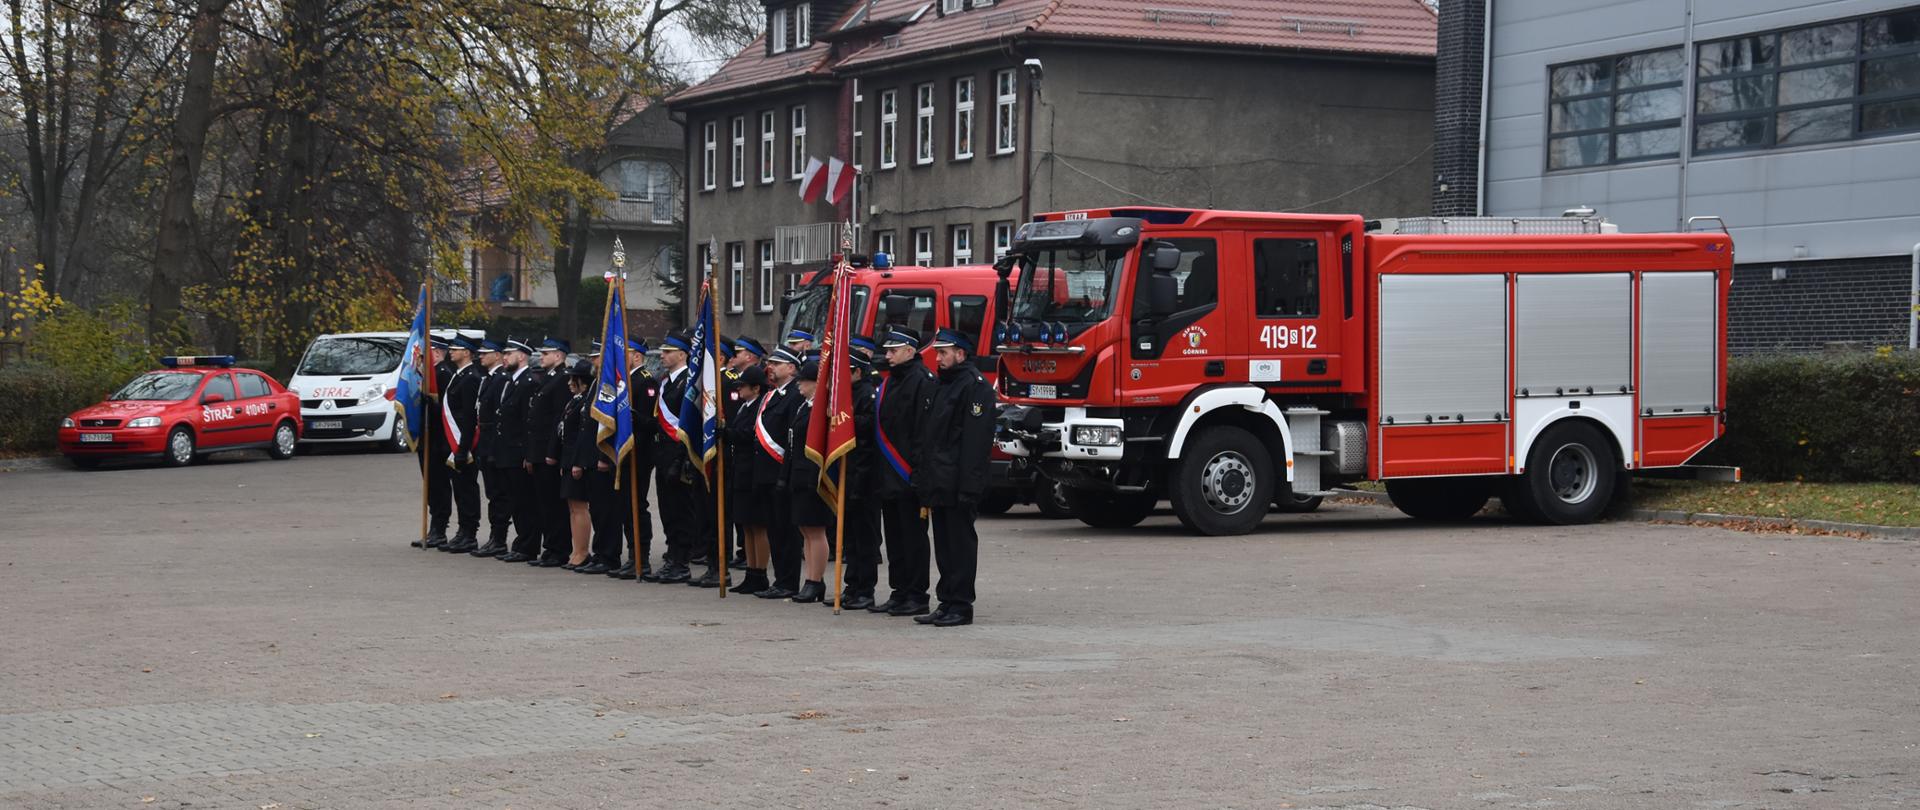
{"type": "Point", "coordinates": [753, 582]}
{"type": "Point", "coordinates": [592, 568]}
{"type": "Point", "coordinates": [436, 539]}
{"type": "Point", "coordinates": [737, 561]}
{"type": "Point", "coordinates": [460, 544]}
{"type": "Point", "coordinates": [775, 592]}
{"type": "Point", "coordinates": [673, 573]}
{"type": "Point", "coordinates": [646, 574]}
{"type": "Point", "coordinates": [491, 549]}
{"type": "Point", "coordinates": [549, 562]}
{"type": "Point", "coordinates": [883, 607]}
{"type": "Point", "coordinates": [623, 572]}
{"type": "Point", "coordinates": [811, 591]}
{"type": "Point", "coordinates": [860, 602]}
{"type": "Point", "coordinates": [513, 557]}
{"type": "Point", "coordinates": [417, 543]}
{"type": "Point", "coordinates": [949, 617]}
{"type": "Point", "coordinates": [931, 617]}
{"type": "Point", "coordinates": [711, 579]}
{"type": "Point", "coordinates": [915, 609]}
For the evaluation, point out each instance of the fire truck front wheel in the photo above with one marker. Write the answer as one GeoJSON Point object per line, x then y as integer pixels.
{"type": "Point", "coordinates": [1222, 483]}
{"type": "Point", "coordinates": [1571, 475]}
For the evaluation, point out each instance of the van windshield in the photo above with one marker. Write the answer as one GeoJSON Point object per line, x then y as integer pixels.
{"type": "Point", "coordinates": [351, 356]}
{"type": "Point", "coordinates": [1073, 285]}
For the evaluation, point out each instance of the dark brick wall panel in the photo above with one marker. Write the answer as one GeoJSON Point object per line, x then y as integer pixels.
{"type": "Point", "coordinates": [1862, 302]}
{"type": "Point", "coordinates": [1456, 108]}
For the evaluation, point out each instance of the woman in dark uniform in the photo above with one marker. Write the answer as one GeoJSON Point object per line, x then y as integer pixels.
{"type": "Point", "coordinates": [574, 444]}
{"type": "Point", "coordinates": [747, 505]}
{"type": "Point", "coordinates": [810, 513]}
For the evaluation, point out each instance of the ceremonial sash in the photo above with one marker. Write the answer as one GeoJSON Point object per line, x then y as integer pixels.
{"type": "Point", "coordinates": [447, 424]}
{"type": "Point", "coordinates": [887, 451]}
{"type": "Point", "coordinates": [669, 420]}
{"type": "Point", "coordinates": [767, 442]}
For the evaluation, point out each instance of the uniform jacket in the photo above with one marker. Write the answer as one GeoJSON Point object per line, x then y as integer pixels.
{"type": "Point", "coordinates": [956, 440]}
{"type": "Point", "coordinates": [864, 459]}
{"type": "Point", "coordinates": [775, 416]}
{"type": "Point", "coordinates": [510, 434]}
{"type": "Point", "coordinates": [669, 452]}
{"type": "Point", "coordinates": [799, 472]}
{"type": "Point", "coordinates": [436, 435]}
{"type": "Point", "coordinates": [900, 405]}
{"type": "Point", "coordinates": [642, 390]}
{"type": "Point", "coordinates": [575, 442]}
{"type": "Point", "coordinates": [463, 401]}
{"type": "Point", "coordinates": [493, 385]}
{"type": "Point", "coordinates": [544, 410]}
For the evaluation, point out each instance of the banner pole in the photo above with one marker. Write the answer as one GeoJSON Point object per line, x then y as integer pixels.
{"type": "Point", "coordinates": [426, 437]}
{"type": "Point", "coordinates": [840, 537]}
{"type": "Point", "coordinates": [720, 489]}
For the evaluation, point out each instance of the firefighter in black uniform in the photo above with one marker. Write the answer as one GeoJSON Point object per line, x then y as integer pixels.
{"type": "Point", "coordinates": [956, 443]}
{"type": "Point", "coordinates": [682, 493]}
{"type": "Point", "coordinates": [462, 399]}
{"type": "Point", "coordinates": [742, 353]}
{"type": "Point", "coordinates": [900, 405]}
{"type": "Point", "coordinates": [546, 408]}
{"type": "Point", "coordinates": [771, 425]}
{"type": "Point", "coordinates": [637, 470]}
{"type": "Point", "coordinates": [510, 452]}
{"type": "Point", "coordinates": [433, 446]}
{"type": "Point", "coordinates": [493, 384]}
{"type": "Point", "coordinates": [611, 504]}
{"type": "Point", "coordinates": [863, 509]}
{"type": "Point", "coordinates": [747, 513]}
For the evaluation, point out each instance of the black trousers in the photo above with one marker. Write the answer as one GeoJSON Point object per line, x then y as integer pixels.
{"type": "Point", "coordinates": [907, 558]}
{"type": "Point", "coordinates": [493, 482]}
{"type": "Point", "coordinates": [863, 546]}
{"type": "Point", "coordinates": [956, 548]}
{"type": "Point", "coordinates": [466, 497]}
{"type": "Point", "coordinates": [685, 514]}
{"type": "Point", "coordinates": [556, 530]}
{"type": "Point", "coordinates": [613, 515]}
{"type": "Point", "coordinates": [784, 543]}
{"type": "Point", "coordinates": [527, 528]}
{"type": "Point", "coordinates": [439, 487]}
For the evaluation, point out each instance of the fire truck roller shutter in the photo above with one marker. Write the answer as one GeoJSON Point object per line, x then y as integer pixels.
{"type": "Point", "coordinates": [1443, 348]}
{"type": "Point", "coordinates": [1573, 357]}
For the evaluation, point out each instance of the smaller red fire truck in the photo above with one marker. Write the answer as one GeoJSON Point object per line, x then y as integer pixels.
{"type": "Point", "coordinates": [1233, 362]}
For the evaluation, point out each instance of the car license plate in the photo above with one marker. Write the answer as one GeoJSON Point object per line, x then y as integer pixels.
{"type": "Point", "coordinates": [96, 437]}
{"type": "Point", "coordinates": [325, 424]}
{"type": "Point", "coordinates": [1042, 392]}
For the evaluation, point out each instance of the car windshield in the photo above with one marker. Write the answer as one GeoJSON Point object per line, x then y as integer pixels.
{"type": "Point", "coordinates": [809, 310]}
{"type": "Point", "coordinates": [346, 356]}
{"type": "Point", "coordinates": [171, 386]}
{"type": "Point", "coordinates": [1073, 285]}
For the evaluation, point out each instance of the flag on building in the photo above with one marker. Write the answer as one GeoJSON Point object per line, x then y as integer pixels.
{"type": "Point", "coordinates": [830, 433]}
{"type": "Point", "coordinates": [840, 177]}
{"type": "Point", "coordinates": [813, 181]}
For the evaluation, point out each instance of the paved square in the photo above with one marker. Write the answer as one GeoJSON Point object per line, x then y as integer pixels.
{"type": "Point", "coordinates": [256, 634]}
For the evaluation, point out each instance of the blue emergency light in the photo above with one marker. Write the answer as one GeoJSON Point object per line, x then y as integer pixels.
{"type": "Point", "coordinates": [882, 261]}
{"type": "Point", "coordinates": [184, 361]}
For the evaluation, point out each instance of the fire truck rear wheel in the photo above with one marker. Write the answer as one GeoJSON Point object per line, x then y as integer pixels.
{"type": "Point", "coordinates": [1108, 510]}
{"type": "Point", "coordinates": [1051, 498]}
{"type": "Point", "coordinates": [1571, 474]}
{"type": "Point", "coordinates": [1439, 499]}
{"type": "Point", "coordinates": [1222, 483]}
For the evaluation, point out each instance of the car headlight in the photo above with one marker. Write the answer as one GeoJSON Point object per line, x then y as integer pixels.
{"type": "Point", "coordinates": [1096, 435]}
{"type": "Point", "coordinates": [66, 422]}
{"type": "Point", "coordinates": [372, 393]}
{"type": "Point", "coordinates": [145, 421]}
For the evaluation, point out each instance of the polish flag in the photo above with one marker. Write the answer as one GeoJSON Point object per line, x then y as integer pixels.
{"type": "Point", "coordinates": [839, 180]}
{"type": "Point", "coordinates": [813, 181]}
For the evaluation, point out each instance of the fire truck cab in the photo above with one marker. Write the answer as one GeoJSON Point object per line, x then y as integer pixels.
{"type": "Point", "coordinates": [1233, 362]}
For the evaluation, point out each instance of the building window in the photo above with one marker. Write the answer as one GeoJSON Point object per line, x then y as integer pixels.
{"type": "Point", "coordinates": [952, 6]}
{"type": "Point", "coordinates": [797, 154]}
{"type": "Point", "coordinates": [766, 277]}
{"type": "Point", "coordinates": [1833, 81]}
{"type": "Point", "coordinates": [777, 30]}
{"type": "Point", "coordinates": [792, 283]}
{"type": "Point", "coordinates": [705, 258]}
{"type": "Point", "coordinates": [1616, 110]}
{"type": "Point", "coordinates": [1005, 112]}
{"type": "Point", "coordinates": [803, 25]}
{"type": "Point", "coordinates": [859, 132]}
{"type": "Point", "coordinates": [736, 276]}
{"type": "Point", "coordinates": [1002, 239]}
{"type": "Point", "coordinates": [889, 127]}
{"type": "Point", "coordinates": [648, 181]}
{"type": "Point", "coordinates": [963, 118]}
{"type": "Point", "coordinates": [923, 247]}
{"type": "Point", "coordinates": [923, 125]}
{"type": "Point", "coordinates": [883, 243]}
{"type": "Point", "coordinates": [960, 238]}
{"type": "Point", "coordinates": [766, 146]}
{"type": "Point", "coordinates": [707, 154]}
{"type": "Point", "coordinates": [738, 155]}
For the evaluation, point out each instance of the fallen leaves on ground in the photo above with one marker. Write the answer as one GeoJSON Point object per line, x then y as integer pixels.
{"type": "Point", "coordinates": [809, 714]}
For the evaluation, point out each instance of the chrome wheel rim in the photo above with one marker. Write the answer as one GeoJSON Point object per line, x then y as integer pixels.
{"type": "Point", "coordinates": [1227, 482]}
{"type": "Point", "coordinates": [1573, 473]}
{"type": "Point", "coordinates": [181, 446]}
{"type": "Point", "coordinates": [283, 439]}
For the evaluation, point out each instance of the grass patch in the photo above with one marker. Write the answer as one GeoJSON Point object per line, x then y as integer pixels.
{"type": "Point", "coordinates": [1876, 504]}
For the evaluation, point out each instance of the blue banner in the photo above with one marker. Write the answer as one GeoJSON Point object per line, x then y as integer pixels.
{"type": "Point", "coordinates": [611, 407]}
{"type": "Point", "coordinates": [701, 404]}
{"type": "Point", "coordinates": [416, 372]}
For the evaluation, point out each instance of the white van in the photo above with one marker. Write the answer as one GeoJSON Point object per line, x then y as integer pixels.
{"type": "Point", "coordinates": [346, 388]}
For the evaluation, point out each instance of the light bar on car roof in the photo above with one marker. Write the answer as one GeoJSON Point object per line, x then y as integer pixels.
{"type": "Point", "coordinates": [184, 361]}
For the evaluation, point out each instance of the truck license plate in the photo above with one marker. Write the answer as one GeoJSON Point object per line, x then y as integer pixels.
{"type": "Point", "coordinates": [96, 437]}
{"type": "Point", "coordinates": [1042, 392]}
{"type": "Point", "coordinates": [325, 424]}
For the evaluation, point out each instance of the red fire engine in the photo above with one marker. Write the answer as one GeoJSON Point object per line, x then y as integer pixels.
{"type": "Point", "coordinates": [1229, 361]}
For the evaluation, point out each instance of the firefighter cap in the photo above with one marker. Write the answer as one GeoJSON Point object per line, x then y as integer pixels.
{"type": "Point", "coordinates": [947, 338]}
{"type": "Point", "coordinates": [900, 336]}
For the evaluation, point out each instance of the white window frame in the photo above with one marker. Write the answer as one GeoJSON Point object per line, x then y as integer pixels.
{"type": "Point", "coordinates": [923, 124]}
{"type": "Point", "coordinates": [923, 247]}
{"type": "Point", "coordinates": [738, 152]}
{"type": "Point", "coordinates": [777, 30]}
{"type": "Point", "coordinates": [704, 257]}
{"type": "Point", "coordinates": [736, 277]}
{"type": "Point", "coordinates": [952, 6]}
{"type": "Point", "coordinates": [1006, 112]}
{"type": "Point", "coordinates": [766, 276]}
{"type": "Point", "coordinates": [889, 128]}
{"type": "Point", "coordinates": [709, 153]}
{"type": "Point", "coordinates": [797, 139]}
{"type": "Point", "coordinates": [883, 243]}
{"type": "Point", "coordinates": [859, 131]}
{"type": "Point", "coordinates": [960, 241]}
{"type": "Point", "coordinates": [802, 25]}
{"type": "Point", "coordinates": [1002, 239]}
{"type": "Point", "coordinates": [792, 283]}
{"type": "Point", "coordinates": [963, 90]}
{"type": "Point", "coordinates": [769, 162]}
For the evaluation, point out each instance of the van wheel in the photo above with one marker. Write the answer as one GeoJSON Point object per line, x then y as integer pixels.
{"type": "Point", "coordinates": [1571, 475]}
{"type": "Point", "coordinates": [1222, 483]}
{"type": "Point", "coordinates": [1439, 499]}
{"type": "Point", "coordinates": [285, 441]}
{"type": "Point", "coordinates": [1051, 498]}
{"type": "Point", "coordinates": [1108, 510]}
{"type": "Point", "coordinates": [180, 447]}
{"type": "Point", "coordinates": [398, 441]}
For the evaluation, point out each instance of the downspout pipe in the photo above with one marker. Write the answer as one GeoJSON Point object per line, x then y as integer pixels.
{"type": "Point", "coordinates": [1486, 66]}
{"type": "Point", "coordinates": [1913, 303]}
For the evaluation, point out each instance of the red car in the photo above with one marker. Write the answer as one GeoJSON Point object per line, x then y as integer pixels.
{"type": "Point", "coordinates": [193, 406]}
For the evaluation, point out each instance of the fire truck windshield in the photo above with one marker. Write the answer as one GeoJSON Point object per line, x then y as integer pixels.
{"type": "Point", "coordinates": [1070, 285]}
{"type": "Point", "coordinates": [809, 309]}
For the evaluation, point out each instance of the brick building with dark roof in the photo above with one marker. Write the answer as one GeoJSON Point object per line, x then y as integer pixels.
{"type": "Point", "coordinates": [966, 117]}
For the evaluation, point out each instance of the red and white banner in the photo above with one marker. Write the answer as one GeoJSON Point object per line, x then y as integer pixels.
{"type": "Point", "coordinates": [840, 178]}
{"type": "Point", "coordinates": [813, 181]}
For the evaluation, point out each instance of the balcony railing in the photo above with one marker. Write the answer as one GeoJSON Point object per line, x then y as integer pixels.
{"type": "Point", "coordinates": [808, 244]}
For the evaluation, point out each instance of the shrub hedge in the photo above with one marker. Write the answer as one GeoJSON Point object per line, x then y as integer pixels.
{"type": "Point", "coordinates": [1832, 417]}
{"type": "Point", "coordinates": [36, 398]}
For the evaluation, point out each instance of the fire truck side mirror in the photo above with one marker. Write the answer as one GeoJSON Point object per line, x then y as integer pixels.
{"type": "Point", "coordinates": [1166, 258]}
{"type": "Point", "coordinates": [1164, 294]}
